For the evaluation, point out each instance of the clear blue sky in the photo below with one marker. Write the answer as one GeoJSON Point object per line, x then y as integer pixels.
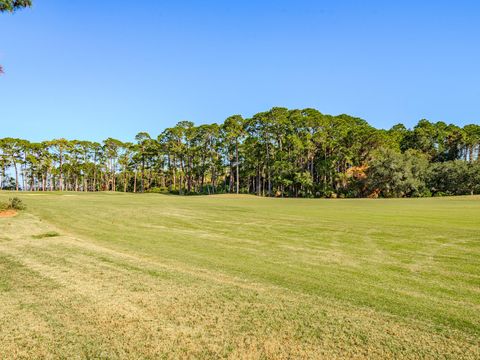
{"type": "Point", "coordinates": [94, 69]}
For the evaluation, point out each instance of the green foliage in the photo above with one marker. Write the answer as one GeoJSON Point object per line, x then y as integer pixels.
{"type": "Point", "coordinates": [12, 204]}
{"type": "Point", "coordinates": [393, 174]}
{"type": "Point", "coordinates": [305, 182]}
{"type": "Point", "coordinates": [454, 178]}
{"type": "Point", "coordinates": [279, 152]}
{"type": "Point", "coordinates": [12, 5]}
{"type": "Point", "coordinates": [158, 190]}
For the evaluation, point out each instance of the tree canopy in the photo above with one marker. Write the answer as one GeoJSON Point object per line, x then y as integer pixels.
{"type": "Point", "coordinates": [279, 152]}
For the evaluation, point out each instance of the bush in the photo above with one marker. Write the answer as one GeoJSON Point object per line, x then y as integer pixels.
{"type": "Point", "coordinates": [422, 193]}
{"type": "Point", "coordinates": [158, 190]}
{"type": "Point", "coordinates": [441, 193]}
{"type": "Point", "coordinates": [13, 204]}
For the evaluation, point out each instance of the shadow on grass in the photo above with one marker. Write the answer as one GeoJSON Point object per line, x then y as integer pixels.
{"type": "Point", "coordinates": [46, 235]}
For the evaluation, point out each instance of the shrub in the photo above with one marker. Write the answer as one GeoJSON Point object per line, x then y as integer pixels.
{"type": "Point", "coordinates": [441, 193]}
{"type": "Point", "coordinates": [13, 204]}
{"type": "Point", "coordinates": [158, 190]}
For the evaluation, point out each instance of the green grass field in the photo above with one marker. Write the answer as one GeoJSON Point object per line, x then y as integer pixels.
{"type": "Point", "coordinates": [153, 276]}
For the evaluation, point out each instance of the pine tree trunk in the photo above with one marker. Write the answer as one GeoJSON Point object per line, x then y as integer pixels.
{"type": "Point", "coordinates": [135, 182]}
{"type": "Point", "coordinates": [61, 175]}
{"type": "Point", "coordinates": [238, 176]}
{"type": "Point", "coordinates": [16, 175]}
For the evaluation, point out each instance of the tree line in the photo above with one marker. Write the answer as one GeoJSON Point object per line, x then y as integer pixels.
{"type": "Point", "coordinates": [280, 152]}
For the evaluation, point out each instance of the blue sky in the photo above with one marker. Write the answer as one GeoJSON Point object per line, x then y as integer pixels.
{"type": "Point", "coordinates": [95, 69]}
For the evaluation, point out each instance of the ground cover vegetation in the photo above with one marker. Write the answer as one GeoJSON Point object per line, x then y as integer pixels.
{"type": "Point", "coordinates": [12, 204]}
{"type": "Point", "coordinates": [280, 152]}
{"type": "Point", "coordinates": [129, 276]}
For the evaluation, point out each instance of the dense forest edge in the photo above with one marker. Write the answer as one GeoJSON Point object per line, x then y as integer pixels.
{"type": "Point", "coordinates": [280, 152]}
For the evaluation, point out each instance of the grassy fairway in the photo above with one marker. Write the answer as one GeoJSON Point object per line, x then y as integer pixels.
{"type": "Point", "coordinates": [145, 276]}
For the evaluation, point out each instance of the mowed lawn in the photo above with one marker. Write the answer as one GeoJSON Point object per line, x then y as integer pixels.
{"type": "Point", "coordinates": [153, 276]}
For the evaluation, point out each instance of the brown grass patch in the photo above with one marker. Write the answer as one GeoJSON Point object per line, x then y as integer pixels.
{"type": "Point", "coordinates": [8, 213]}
